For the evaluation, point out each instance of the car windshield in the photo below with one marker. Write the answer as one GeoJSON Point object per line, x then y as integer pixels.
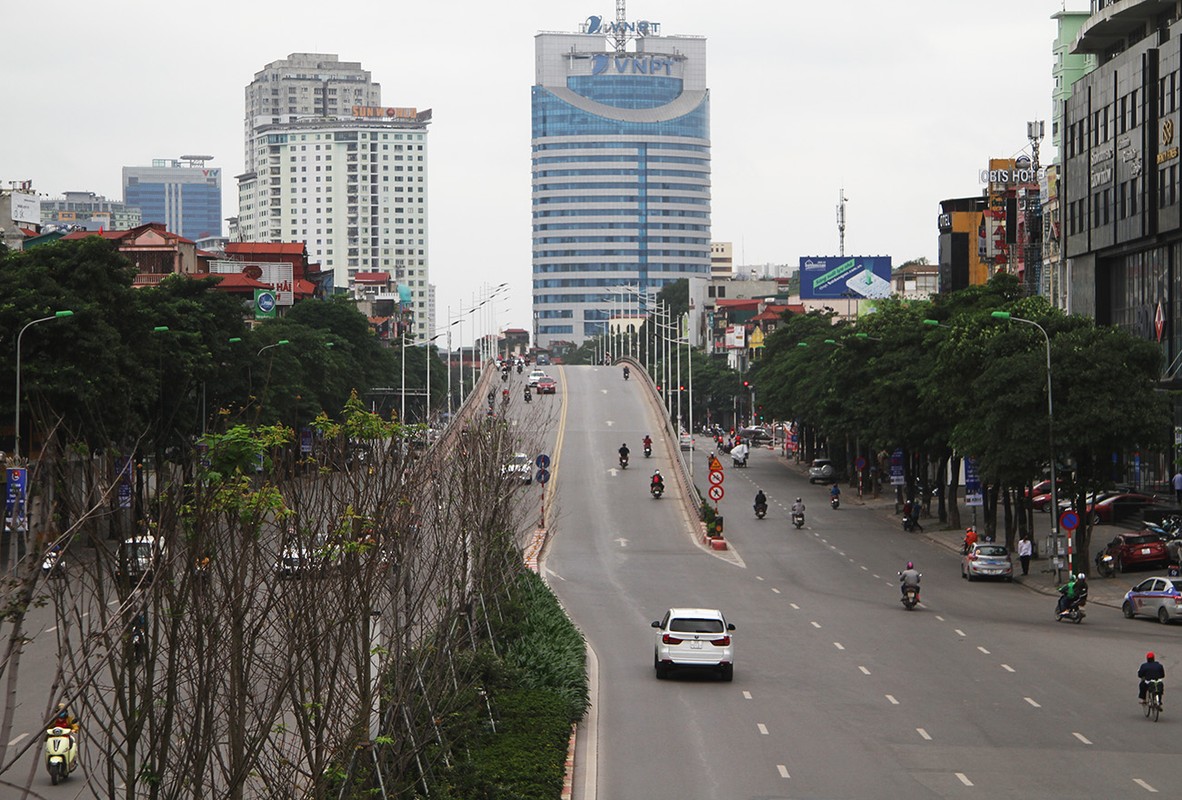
{"type": "Point", "coordinates": [1141, 539]}
{"type": "Point", "coordinates": [991, 550]}
{"type": "Point", "coordinates": [683, 625]}
{"type": "Point", "coordinates": [1177, 584]}
{"type": "Point", "coordinates": [519, 460]}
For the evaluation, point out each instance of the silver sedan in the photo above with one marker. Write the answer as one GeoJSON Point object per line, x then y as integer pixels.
{"type": "Point", "coordinates": [987, 560]}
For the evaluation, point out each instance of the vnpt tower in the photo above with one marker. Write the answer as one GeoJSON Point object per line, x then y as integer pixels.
{"type": "Point", "coordinates": [621, 171]}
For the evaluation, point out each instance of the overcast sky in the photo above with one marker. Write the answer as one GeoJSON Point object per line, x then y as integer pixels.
{"type": "Point", "coordinates": [902, 103]}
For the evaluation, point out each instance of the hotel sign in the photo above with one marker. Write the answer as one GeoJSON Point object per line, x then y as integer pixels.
{"type": "Point", "coordinates": [385, 112]}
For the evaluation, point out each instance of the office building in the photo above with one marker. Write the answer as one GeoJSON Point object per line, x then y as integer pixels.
{"type": "Point", "coordinates": [183, 194]}
{"type": "Point", "coordinates": [90, 212]}
{"type": "Point", "coordinates": [348, 179]}
{"type": "Point", "coordinates": [621, 170]}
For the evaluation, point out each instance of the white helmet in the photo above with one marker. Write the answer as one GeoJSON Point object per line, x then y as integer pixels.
{"type": "Point", "coordinates": [1081, 577]}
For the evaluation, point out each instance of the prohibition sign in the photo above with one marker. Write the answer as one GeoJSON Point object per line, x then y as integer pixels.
{"type": "Point", "coordinates": [716, 477]}
{"type": "Point", "coordinates": [1069, 520]}
{"type": "Point", "coordinates": [716, 493]}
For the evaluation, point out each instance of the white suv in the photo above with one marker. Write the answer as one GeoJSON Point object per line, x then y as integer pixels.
{"type": "Point", "coordinates": [694, 638]}
{"type": "Point", "coordinates": [536, 376]}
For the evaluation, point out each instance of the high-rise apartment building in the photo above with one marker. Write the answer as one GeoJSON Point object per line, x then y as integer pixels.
{"type": "Point", "coordinates": [621, 170]}
{"type": "Point", "coordinates": [183, 193]}
{"type": "Point", "coordinates": [90, 211]}
{"type": "Point", "coordinates": [327, 165]}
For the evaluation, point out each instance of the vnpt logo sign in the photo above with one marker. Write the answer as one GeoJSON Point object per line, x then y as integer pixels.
{"type": "Point", "coordinates": [597, 24]}
{"type": "Point", "coordinates": [630, 65]}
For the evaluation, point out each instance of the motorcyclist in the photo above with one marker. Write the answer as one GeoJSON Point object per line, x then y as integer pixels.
{"type": "Point", "coordinates": [624, 451]}
{"type": "Point", "coordinates": [627, 372]}
{"type": "Point", "coordinates": [1151, 670]}
{"type": "Point", "coordinates": [528, 394]}
{"type": "Point", "coordinates": [909, 577]}
{"type": "Point", "coordinates": [970, 539]}
{"type": "Point", "coordinates": [798, 507]}
{"type": "Point", "coordinates": [760, 499]}
{"type": "Point", "coordinates": [648, 442]}
{"type": "Point", "coordinates": [834, 491]}
{"type": "Point", "coordinates": [658, 480]}
{"type": "Point", "coordinates": [64, 719]}
{"type": "Point", "coordinates": [1068, 594]}
{"type": "Point", "coordinates": [739, 453]}
{"type": "Point", "coordinates": [504, 395]}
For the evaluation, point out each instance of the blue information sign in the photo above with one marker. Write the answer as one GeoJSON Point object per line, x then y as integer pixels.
{"type": "Point", "coordinates": [15, 504]}
{"type": "Point", "coordinates": [972, 483]}
{"type": "Point", "coordinates": [897, 478]}
{"type": "Point", "coordinates": [543, 476]}
{"type": "Point", "coordinates": [543, 461]}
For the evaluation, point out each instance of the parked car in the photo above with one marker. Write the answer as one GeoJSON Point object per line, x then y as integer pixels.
{"type": "Point", "coordinates": [1145, 547]}
{"type": "Point", "coordinates": [547, 385]}
{"type": "Point", "coordinates": [520, 467]}
{"type": "Point", "coordinates": [822, 470]}
{"type": "Point", "coordinates": [1108, 507]}
{"type": "Point", "coordinates": [695, 638]}
{"type": "Point", "coordinates": [1154, 597]}
{"type": "Point", "coordinates": [535, 376]}
{"type": "Point", "coordinates": [987, 560]}
{"type": "Point", "coordinates": [138, 557]}
{"type": "Point", "coordinates": [755, 435]}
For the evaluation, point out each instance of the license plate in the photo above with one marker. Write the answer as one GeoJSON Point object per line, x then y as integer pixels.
{"type": "Point", "coordinates": [695, 645]}
{"type": "Point", "coordinates": [1145, 551]}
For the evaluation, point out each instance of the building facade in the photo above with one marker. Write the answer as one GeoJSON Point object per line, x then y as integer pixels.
{"type": "Point", "coordinates": [329, 167]}
{"type": "Point", "coordinates": [90, 211]}
{"type": "Point", "coordinates": [183, 194]}
{"type": "Point", "coordinates": [621, 171]}
{"type": "Point", "coordinates": [722, 260]}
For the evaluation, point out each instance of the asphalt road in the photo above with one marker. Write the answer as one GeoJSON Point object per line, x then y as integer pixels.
{"type": "Point", "coordinates": [839, 692]}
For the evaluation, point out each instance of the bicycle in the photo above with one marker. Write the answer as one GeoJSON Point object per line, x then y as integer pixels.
{"type": "Point", "coordinates": [1153, 692]}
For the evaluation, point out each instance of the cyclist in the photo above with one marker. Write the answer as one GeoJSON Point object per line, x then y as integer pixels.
{"type": "Point", "coordinates": [1151, 670]}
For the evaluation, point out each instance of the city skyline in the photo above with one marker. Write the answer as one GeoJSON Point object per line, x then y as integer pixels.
{"type": "Point", "coordinates": [805, 100]}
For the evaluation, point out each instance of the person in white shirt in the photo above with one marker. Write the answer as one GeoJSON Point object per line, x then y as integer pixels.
{"type": "Point", "coordinates": [1025, 550]}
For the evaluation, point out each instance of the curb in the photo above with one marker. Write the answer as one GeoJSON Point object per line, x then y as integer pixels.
{"type": "Point", "coordinates": [568, 776]}
{"type": "Point", "coordinates": [713, 542]}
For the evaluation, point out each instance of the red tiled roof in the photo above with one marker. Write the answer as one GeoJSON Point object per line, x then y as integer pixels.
{"type": "Point", "coordinates": [372, 277]}
{"type": "Point", "coordinates": [303, 287]}
{"type": "Point", "coordinates": [131, 233]}
{"type": "Point", "coordinates": [28, 232]}
{"type": "Point", "coordinates": [737, 303]}
{"type": "Point", "coordinates": [234, 280]}
{"type": "Point", "coordinates": [252, 248]}
{"type": "Point", "coordinates": [378, 320]}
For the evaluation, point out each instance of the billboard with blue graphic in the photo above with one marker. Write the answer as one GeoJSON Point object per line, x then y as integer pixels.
{"type": "Point", "coordinates": [844, 277]}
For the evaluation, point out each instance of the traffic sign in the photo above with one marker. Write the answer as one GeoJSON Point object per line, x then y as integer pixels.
{"type": "Point", "coordinates": [860, 463]}
{"type": "Point", "coordinates": [543, 476]}
{"type": "Point", "coordinates": [1069, 520]}
{"type": "Point", "coordinates": [716, 477]}
{"type": "Point", "coordinates": [716, 493]}
{"type": "Point", "coordinates": [715, 464]}
{"type": "Point", "coordinates": [543, 461]}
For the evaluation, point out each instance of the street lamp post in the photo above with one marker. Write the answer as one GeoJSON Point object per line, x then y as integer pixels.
{"type": "Point", "coordinates": [1051, 437]}
{"type": "Point", "coordinates": [16, 443]}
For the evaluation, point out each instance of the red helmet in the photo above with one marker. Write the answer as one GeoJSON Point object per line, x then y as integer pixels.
{"type": "Point", "coordinates": [1149, 656]}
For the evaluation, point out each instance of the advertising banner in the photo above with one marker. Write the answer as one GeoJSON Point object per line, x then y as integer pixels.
{"type": "Point", "coordinates": [897, 478]}
{"type": "Point", "coordinates": [972, 483]}
{"type": "Point", "coordinates": [15, 504]}
{"type": "Point", "coordinates": [842, 277]}
{"type": "Point", "coordinates": [264, 304]}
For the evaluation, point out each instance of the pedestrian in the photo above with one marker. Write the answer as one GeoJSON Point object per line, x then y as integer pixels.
{"type": "Point", "coordinates": [1178, 486]}
{"type": "Point", "coordinates": [1025, 550]}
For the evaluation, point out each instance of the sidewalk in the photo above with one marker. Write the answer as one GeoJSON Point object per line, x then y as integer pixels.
{"type": "Point", "coordinates": [1102, 591]}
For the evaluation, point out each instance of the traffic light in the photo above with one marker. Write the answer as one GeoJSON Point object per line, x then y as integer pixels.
{"type": "Point", "coordinates": [746, 384]}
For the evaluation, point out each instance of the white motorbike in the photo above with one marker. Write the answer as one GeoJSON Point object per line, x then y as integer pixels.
{"type": "Point", "coordinates": [61, 753]}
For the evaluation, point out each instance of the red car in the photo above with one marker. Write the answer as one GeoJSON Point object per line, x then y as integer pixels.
{"type": "Point", "coordinates": [1138, 549]}
{"type": "Point", "coordinates": [1105, 507]}
{"type": "Point", "coordinates": [547, 385]}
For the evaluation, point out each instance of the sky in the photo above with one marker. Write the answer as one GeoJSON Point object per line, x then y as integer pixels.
{"type": "Point", "coordinates": [901, 104]}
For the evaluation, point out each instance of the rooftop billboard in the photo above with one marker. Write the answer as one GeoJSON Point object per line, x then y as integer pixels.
{"type": "Point", "coordinates": [844, 277]}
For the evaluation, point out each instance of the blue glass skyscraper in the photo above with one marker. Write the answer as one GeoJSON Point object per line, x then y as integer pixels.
{"type": "Point", "coordinates": [621, 171]}
{"type": "Point", "coordinates": [184, 194]}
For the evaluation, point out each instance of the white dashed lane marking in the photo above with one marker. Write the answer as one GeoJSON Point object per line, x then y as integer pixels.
{"type": "Point", "coordinates": [783, 771]}
{"type": "Point", "coordinates": [746, 695]}
{"type": "Point", "coordinates": [924, 734]}
{"type": "Point", "coordinates": [774, 589]}
{"type": "Point", "coordinates": [983, 650]}
{"type": "Point", "coordinates": [1007, 667]}
{"type": "Point", "coordinates": [864, 670]}
{"type": "Point", "coordinates": [839, 645]}
{"type": "Point", "coordinates": [939, 618]}
{"type": "Point", "coordinates": [964, 779]}
{"type": "Point", "coordinates": [1144, 785]}
{"type": "Point", "coordinates": [762, 729]}
{"type": "Point", "coordinates": [959, 632]}
{"type": "Point", "coordinates": [815, 624]}
{"type": "Point", "coordinates": [1081, 737]}
{"type": "Point", "coordinates": [1030, 700]}
{"type": "Point", "coordinates": [794, 606]}
{"type": "Point", "coordinates": [891, 698]}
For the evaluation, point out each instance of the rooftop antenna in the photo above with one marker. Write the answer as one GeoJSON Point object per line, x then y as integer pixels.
{"type": "Point", "coordinates": [621, 32]}
{"type": "Point", "coordinates": [841, 223]}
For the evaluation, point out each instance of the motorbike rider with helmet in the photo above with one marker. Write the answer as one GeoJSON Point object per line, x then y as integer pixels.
{"type": "Point", "coordinates": [624, 451]}
{"type": "Point", "coordinates": [909, 577]}
{"type": "Point", "coordinates": [648, 443]}
{"type": "Point", "coordinates": [798, 506]}
{"type": "Point", "coordinates": [1072, 594]}
{"type": "Point", "coordinates": [1151, 670]}
{"type": "Point", "coordinates": [657, 480]}
{"type": "Point", "coordinates": [760, 499]}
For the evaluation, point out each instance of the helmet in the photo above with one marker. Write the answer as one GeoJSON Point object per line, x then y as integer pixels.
{"type": "Point", "coordinates": [1149, 656]}
{"type": "Point", "coordinates": [1081, 577]}
{"type": "Point", "coordinates": [61, 707]}
{"type": "Point", "coordinates": [656, 472]}
{"type": "Point", "coordinates": [910, 565]}
{"type": "Point", "coordinates": [799, 500]}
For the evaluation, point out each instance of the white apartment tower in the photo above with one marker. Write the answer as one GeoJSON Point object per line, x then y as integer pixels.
{"type": "Point", "coordinates": [328, 165]}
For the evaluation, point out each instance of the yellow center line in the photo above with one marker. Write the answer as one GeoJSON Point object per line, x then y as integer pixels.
{"type": "Point", "coordinates": [557, 448]}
